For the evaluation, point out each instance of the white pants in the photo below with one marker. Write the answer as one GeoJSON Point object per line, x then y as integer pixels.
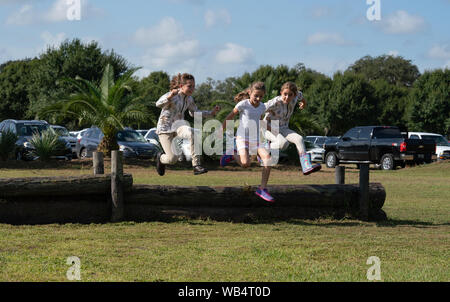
{"type": "Point", "coordinates": [166, 140]}
{"type": "Point", "coordinates": [283, 138]}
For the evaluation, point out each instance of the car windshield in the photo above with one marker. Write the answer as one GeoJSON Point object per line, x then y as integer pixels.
{"type": "Point", "coordinates": [61, 131]}
{"type": "Point", "coordinates": [438, 139]}
{"type": "Point", "coordinates": [30, 129]}
{"type": "Point", "coordinates": [130, 136]}
{"type": "Point", "coordinates": [310, 145]}
{"type": "Point", "coordinates": [152, 135]}
{"type": "Point", "coordinates": [320, 140]}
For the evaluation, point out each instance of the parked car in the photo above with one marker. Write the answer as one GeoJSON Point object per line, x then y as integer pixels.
{"type": "Point", "coordinates": [142, 132]}
{"type": "Point", "coordinates": [442, 145]}
{"type": "Point", "coordinates": [131, 143]}
{"type": "Point", "coordinates": [24, 129]}
{"type": "Point", "coordinates": [183, 146]}
{"type": "Point", "coordinates": [316, 151]}
{"type": "Point", "coordinates": [380, 145]}
{"type": "Point", "coordinates": [65, 135]}
{"type": "Point", "coordinates": [78, 134]}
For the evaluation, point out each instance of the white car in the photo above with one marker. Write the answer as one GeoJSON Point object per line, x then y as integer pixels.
{"type": "Point", "coordinates": [442, 145]}
{"type": "Point", "coordinates": [315, 151]}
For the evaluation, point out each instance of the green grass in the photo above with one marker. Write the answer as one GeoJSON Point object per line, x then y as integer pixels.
{"type": "Point", "coordinates": [413, 245]}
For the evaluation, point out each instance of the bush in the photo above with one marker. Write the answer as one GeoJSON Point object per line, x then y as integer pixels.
{"type": "Point", "coordinates": [7, 144]}
{"type": "Point", "coordinates": [46, 144]}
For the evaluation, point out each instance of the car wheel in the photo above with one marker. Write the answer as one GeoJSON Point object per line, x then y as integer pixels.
{"type": "Point", "coordinates": [83, 153]}
{"type": "Point", "coordinates": [387, 162]}
{"type": "Point", "coordinates": [331, 160]}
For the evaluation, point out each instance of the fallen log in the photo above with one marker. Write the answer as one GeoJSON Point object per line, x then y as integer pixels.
{"type": "Point", "coordinates": [151, 201]}
{"type": "Point", "coordinates": [60, 186]}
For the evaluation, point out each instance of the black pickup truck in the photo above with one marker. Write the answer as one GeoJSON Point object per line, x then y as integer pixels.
{"type": "Point", "coordinates": [383, 146]}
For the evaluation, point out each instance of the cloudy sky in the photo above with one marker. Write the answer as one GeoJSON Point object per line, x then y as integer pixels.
{"type": "Point", "coordinates": [222, 38]}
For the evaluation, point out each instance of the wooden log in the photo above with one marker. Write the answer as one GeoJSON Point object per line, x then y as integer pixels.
{"type": "Point", "coordinates": [98, 165]}
{"type": "Point", "coordinates": [117, 210]}
{"type": "Point", "coordinates": [60, 186]}
{"type": "Point", "coordinates": [339, 175]}
{"type": "Point", "coordinates": [285, 196]}
{"type": "Point", "coordinates": [364, 192]}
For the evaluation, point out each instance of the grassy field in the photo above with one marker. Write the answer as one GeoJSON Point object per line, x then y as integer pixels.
{"type": "Point", "coordinates": [413, 245]}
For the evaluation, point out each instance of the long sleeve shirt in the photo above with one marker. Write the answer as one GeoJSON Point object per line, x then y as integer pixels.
{"type": "Point", "coordinates": [277, 110]}
{"type": "Point", "coordinates": [174, 110]}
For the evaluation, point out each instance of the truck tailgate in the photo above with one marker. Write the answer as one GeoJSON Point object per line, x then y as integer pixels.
{"type": "Point", "coordinates": [421, 146]}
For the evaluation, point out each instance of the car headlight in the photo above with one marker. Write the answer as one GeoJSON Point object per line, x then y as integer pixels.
{"type": "Point", "coordinates": [27, 145]}
{"type": "Point", "coordinates": [68, 145]}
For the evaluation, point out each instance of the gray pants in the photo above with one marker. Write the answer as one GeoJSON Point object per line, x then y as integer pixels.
{"type": "Point", "coordinates": [166, 140]}
{"type": "Point", "coordinates": [283, 138]}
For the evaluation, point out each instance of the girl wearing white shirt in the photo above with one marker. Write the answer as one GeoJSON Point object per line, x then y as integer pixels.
{"type": "Point", "coordinates": [250, 111]}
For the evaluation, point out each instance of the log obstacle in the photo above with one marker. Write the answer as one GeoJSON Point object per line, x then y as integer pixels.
{"type": "Point", "coordinates": [88, 199]}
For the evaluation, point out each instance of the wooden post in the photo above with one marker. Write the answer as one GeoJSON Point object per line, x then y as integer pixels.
{"type": "Point", "coordinates": [339, 175]}
{"type": "Point", "coordinates": [117, 212]}
{"type": "Point", "coordinates": [364, 191]}
{"type": "Point", "coordinates": [99, 168]}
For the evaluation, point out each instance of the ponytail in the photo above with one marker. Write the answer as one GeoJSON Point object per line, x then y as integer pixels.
{"type": "Point", "coordinates": [246, 93]}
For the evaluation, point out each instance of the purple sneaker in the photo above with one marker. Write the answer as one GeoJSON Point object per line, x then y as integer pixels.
{"type": "Point", "coordinates": [264, 194]}
{"type": "Point", "coordinates": [225, 160]}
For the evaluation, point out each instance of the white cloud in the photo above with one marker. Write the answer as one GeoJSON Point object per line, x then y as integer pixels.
{"type": "Point", "coordinates": [172, 54]}
{"type": "Point", "coordinates": [328, 38]}
{"type": "Point", "coordinates": [234, 54]}
{"type": "Point", "coordinates": [440, 52]}
{"type": "Point", "coordinates": [24, 16]}
{"type": "Point", "coordinates": [53, 40]}
{"type": "Point", "coordinates": [215, 17]}
{"type": "Point", "coordinates": [393, 53]}
{"type": "Point", "coordinates": [168, 47]}
{"type": "Point", "coordinates": [28, 14]}
{"type": "Point", "coordinates": [401, 22]}
{"type": "Point", "coordinates": [167, 31]}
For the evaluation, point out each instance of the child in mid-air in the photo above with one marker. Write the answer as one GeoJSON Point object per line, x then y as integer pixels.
{"type": "Point", "coordinates": [281, 108]}
{"type": "Point", "coordinates": [250, 111]}
{"type": "Point", "coordinates": [173, 105]}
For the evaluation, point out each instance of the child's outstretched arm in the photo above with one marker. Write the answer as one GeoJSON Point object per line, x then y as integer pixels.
{"type": "Point", "coordinates": [230, 116]}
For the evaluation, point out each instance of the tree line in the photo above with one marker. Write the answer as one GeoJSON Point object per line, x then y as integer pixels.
{"type": "Point", "coordinates": [383, 90]}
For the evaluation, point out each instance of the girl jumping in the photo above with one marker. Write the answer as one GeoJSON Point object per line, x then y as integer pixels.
{"type": "Point", "coordinates": [250, 111]}
{"type": "Point", "coordinates": [281, 108]}
{"type": "Point", "coordinates": [173, 105]}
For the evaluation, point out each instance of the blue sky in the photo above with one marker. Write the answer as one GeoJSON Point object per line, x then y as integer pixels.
{"type": "Point", "coordinates": [219, 39]}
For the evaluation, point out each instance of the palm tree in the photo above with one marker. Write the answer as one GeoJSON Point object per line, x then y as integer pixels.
{"type": "Point", "coordinates": [109, 106]}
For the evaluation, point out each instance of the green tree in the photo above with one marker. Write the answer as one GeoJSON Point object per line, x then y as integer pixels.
{"type": "Point", "coordinates": [350, 103]}
{"type": "Point", "coordinates": [150, 89]}
{"type": "Point", "coordinates": [393, 69]}
{"type": "Point", "coordinates": [69, 60]}
{"type": "Point", "coordinates": [430, 103]}
{"type": "Point", "coordinates": [15, 80]}
{"type": "Point", "coordinates": [110, 105]}
{"type": "Point", "coordinates": [392, 103]}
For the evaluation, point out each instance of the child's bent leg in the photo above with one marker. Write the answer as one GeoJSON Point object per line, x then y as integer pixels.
{"type": "Point", "coordinates": [262, 190]}
{"type": "Point", "coordinates": [187, 132]}
{"type": "Point", "coordinates": [305, 160]}
{"type": "Point", "coordinates": [265, 157]}
{"type": "Point", "coordinates": [168, 158]}
{"type": "Point", "coordinates": [276, 141]}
